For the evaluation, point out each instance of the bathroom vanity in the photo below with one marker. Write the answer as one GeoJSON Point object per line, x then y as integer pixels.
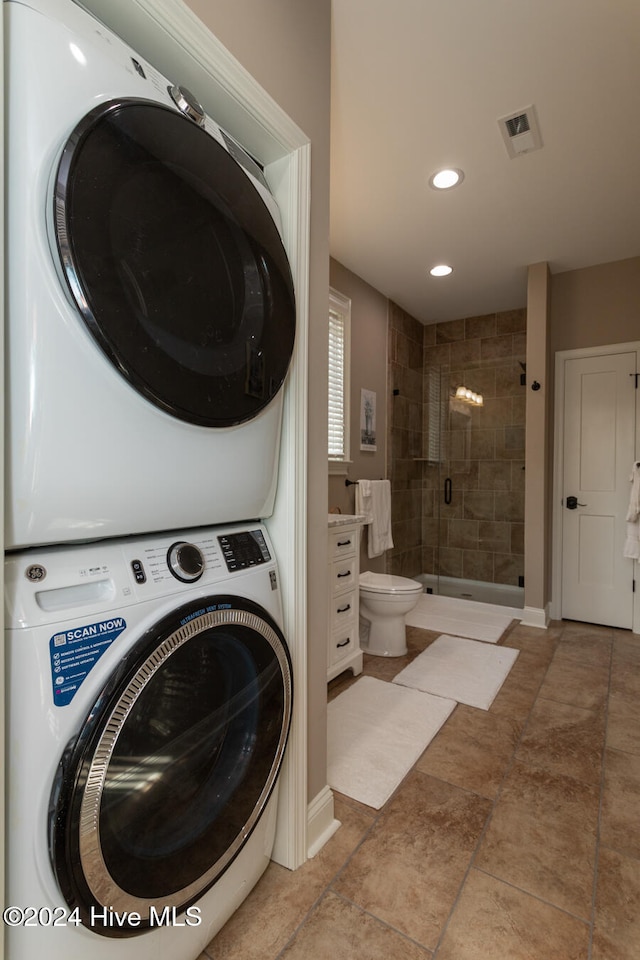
{"type": "Point", "coordinates": [344, 651]}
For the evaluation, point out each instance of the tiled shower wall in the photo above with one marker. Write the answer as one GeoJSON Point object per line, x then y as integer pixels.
{"type": "Point", "coordinates": [404, 440]}
{"type": "Point", "coordinates": [480, 534]}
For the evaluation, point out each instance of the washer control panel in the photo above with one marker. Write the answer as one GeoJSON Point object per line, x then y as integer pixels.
{"type": "Point", "coordinates": [247, 548]}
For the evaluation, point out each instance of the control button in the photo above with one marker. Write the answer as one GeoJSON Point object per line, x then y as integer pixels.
{"type": "Point", "coordinates": [138, 571]}
{"type": "Point", "coordinates": [185, 561]}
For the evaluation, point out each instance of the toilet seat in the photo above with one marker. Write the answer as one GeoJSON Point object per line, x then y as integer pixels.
{"type": "Point", "coordinates": [389, 584]}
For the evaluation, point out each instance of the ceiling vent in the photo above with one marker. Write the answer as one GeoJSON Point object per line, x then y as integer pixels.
{"type": "Point", "coordinates": [520, 131]}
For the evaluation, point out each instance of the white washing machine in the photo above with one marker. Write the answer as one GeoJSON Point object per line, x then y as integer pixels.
{"type": "Point", "coordinates": [149, 703]}
{"type": "Point", "coordinates": [151, 313]}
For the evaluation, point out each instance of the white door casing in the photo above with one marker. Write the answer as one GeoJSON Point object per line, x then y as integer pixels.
{"type": "Point", "coordinates": [596, 443]}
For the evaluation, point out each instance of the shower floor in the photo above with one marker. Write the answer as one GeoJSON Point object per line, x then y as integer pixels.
{"type": "Point", "coordinates": [503, 594]}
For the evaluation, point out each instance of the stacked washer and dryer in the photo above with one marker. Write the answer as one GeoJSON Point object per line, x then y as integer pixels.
{"type": "Point", "coordinates": [150, 326]}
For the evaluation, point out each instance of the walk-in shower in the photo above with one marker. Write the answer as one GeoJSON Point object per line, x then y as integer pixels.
{"type": "Point", "coordinates": [456, 453]}
{"type": "Point", "coordinates": [473, 480]}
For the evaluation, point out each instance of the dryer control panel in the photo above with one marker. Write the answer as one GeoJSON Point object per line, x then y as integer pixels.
{"type": "Point", "coordinates": [245, 549]}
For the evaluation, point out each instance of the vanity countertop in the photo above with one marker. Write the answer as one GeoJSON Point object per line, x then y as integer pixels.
{"type": "Point", "coordinates": [342, 519]}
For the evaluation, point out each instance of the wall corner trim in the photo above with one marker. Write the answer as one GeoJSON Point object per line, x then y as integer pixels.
{"type": "Point", "coordinates": [321, 823]}
{"type": "Point", "coordinates": [536, 617]}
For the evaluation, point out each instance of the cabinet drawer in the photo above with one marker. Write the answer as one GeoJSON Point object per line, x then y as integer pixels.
{"type": "Point", "coordinates": [343, 644]}
{"type": "Point", "coordinates": [344, 608]}
{"type": "Point", "coordinates": [342, 575]}
{"type": "Point", "coordinates": [343, 543]}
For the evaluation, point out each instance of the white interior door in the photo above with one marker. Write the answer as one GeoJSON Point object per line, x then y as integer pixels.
{"type": "Point", "coordinates": [599, 450]}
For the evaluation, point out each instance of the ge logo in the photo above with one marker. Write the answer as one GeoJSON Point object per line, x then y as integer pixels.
{"type": "Point", "coordinates": [35, 573]}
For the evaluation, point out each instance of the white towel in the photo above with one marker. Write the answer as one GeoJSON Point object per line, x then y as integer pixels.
{"type": "Point", "coordinates": [633, 513]}
{"type": "Point", "coordinates": [373, 501]}
{"type": "Point", "coordinates": [632, 543]}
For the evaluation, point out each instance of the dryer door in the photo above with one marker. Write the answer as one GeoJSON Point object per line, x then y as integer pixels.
{"type": "Point", "coordinates": [174, 764]}
{"type": "Point", "coordinates": [174, 262]}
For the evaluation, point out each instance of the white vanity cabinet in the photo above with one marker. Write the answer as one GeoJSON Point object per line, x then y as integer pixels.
{"type": "Point", "coordinates": [344, 651]}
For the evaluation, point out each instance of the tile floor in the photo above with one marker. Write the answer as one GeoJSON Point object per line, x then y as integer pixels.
{"type": "Point", "coordinates": [516, 836]}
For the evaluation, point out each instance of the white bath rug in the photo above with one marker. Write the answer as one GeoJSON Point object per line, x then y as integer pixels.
{"type": "Point", "coordinates": [377, 731]}
{"type": "Point", "coordinates": [464, 618]}
{"type": "Point", "coordinates": [461, 669]}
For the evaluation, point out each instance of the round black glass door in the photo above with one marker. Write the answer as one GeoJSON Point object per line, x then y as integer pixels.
{"type": "Point", "coordinates": [173, 765]}
{"type": "Point", "coordinates": [174, 262]}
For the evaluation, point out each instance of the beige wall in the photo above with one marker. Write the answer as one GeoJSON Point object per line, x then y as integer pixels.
{"type": "Point", "coordinates": [590, 307]}
{"type": "Point", "coordinates": [369, 371]}
{"type": "Point", "coordinates": [596, 305]}
{"type": "Point", "coordinates": [286, 46]}
{"type": "Point", "coordinates": [537, 519]}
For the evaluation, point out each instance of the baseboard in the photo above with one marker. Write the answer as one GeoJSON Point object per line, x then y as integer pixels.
{"type": "Point", "coordinates": [535, 617]}
{"type": "Point", "coordinates": [321, 823]}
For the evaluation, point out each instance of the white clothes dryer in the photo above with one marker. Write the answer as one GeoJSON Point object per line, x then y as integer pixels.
{"type": "Point", "coordinates": [151, 311]}
{"type": "Point", "coordinates": [149, 703]}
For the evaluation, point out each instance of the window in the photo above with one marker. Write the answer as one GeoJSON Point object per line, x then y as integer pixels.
{"type": "Point", "coordinates": [339, 348]}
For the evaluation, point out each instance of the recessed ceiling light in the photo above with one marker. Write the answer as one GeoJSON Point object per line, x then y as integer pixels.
{"type": "Point", "coordinates": [442, 270]}
{"type": "Point", "coordinates": [445, 179]}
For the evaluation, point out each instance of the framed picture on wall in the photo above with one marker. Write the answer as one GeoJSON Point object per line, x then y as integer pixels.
{"type": "Point", "coordinates": [368, 420]}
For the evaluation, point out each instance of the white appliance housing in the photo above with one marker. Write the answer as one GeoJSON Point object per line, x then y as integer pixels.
{"type": "Point", "coordinates": [151, 316]}
{"type": "Point", "coordinates": [149, 699]}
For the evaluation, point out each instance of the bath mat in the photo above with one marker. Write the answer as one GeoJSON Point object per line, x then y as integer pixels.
{"type": "Point", "coordinates": [460, 669]}
{"type": "Point", "coordinates": [377, 731]}
{"type": "Point", "coordinates": [452, 616]}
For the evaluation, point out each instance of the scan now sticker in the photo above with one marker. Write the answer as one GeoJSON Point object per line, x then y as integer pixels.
{"type": "Point", "coordinates": [74, 652]}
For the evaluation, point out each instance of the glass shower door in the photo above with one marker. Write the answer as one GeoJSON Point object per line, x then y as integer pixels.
{"type": "Point", "coordinates": [474, 480]}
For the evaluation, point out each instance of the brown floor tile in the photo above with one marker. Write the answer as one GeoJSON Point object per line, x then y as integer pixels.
{"type": "Point", "coordinates": [564, 739]}
{"type": "Point", "coordinates": [580, 684]}
{"type": "Point", "coordinates": [542, 837]}
{"type": "Point", "coordinates": [519, 691]}
{"type": "Point", "coordinates": [591, 648]}
{"type": "Point", "coordinates": [539, 643]}
{"type": "Point", "coordinates": [625, 670]}
{"type": "Point", "coordinates": [338, 930]}
{"type": "Point", "coordinates": [268, 918]}
{"type": "Point", "coordinates": [580, 628]}
{"type": "Point", "coordinates": [389, 883]}
{"type": "Point", "coordinates": [626, 646]}
{"type": "Point", "coordinates": [620, 823]}
{"type": "Point", "coordinates": [472, 750]}
{"type": "Point", "coordinates": [617, 915]}
{"type": "Point", "coordinates": [386, 668]}
{"type": "Point", "coordinates": [409, 869]}
{"type": "Point", "coordinates": [623, 725]}
{"type": "Point", "coordinates": [494, 921]}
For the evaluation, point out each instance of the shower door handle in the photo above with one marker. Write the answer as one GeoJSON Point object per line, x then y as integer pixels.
{"type": "Point", "coordinates": [447, 490]}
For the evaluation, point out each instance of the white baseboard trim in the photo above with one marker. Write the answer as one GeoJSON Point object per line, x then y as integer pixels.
{"type": "Point", "coordinates": [535, 617]}
{"type": "Point", "coordinates": [321, 823]}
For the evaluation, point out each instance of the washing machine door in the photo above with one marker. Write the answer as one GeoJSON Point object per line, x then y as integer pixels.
{"type": "Point", "coordinates": [173, 765]}
{"type": "Point", "coordinates": [174, 262]}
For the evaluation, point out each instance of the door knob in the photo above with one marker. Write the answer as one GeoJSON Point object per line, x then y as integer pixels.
{"type": "Point", "coordinates": [573, 502]}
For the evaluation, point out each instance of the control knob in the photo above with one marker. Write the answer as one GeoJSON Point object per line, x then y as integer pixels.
{"type": "Point", "coordinates": [187, 104]}
{"type": "Point", "coordinates": [185, 561]}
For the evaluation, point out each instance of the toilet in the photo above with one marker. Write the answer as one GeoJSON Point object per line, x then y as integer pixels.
{"type": "Point", "coordinates": [385, 600]}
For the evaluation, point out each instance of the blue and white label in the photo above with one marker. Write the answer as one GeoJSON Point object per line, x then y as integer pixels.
{"type": "Point", "coordinates": [74, 652]}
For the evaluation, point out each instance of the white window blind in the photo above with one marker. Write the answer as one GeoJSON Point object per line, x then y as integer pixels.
{"type": "Point", "coordinates": [339, 341]}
